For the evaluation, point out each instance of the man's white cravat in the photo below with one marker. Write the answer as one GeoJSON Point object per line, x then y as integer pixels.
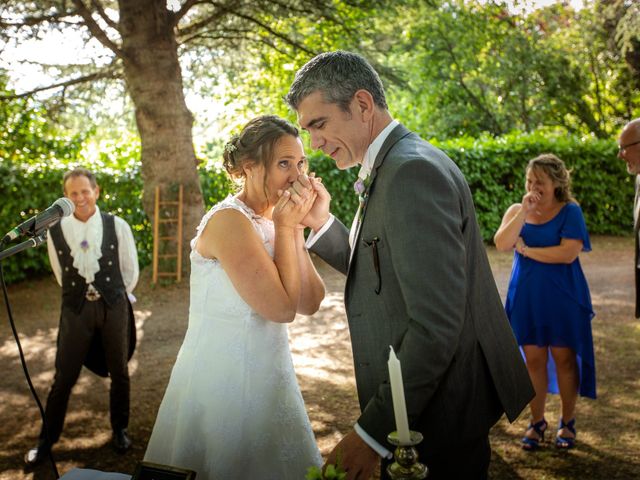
{"type": "Point", "coordinates": [85, 242]}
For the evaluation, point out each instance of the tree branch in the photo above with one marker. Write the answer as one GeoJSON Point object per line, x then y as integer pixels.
{"type": "Point", "coordinates": [483, 108]}
{"type": "Point", "coordinates": [275, 34]}
{"type": "Point", "coordinates": [31, 21]}
{"type": "Point", "coordinates": [95, 29]}
{"type": "Point", "coordinates": [232, 34]}
{"type": "Point", "coordinates": [225, 36]}
{"type": "Point", "coordinates": [177, 16]}
{"type": "Point", "coordinates": [111, 73]}
{"type": "Point", "coordinates": [194, 27]}
{"type": "Point", "coordinates": [98, 6]}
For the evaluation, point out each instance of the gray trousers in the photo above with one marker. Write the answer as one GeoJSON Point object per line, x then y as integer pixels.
{"type": "Point", "coordinates": [74, 339]}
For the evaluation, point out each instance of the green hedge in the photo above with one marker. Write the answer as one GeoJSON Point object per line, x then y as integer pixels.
{"type": "Point", "coordinates": [26, 189]}
{"type": "Point", "coordinates": [494, 168]}
{"type": "Point", "coordinates": [495, 171]}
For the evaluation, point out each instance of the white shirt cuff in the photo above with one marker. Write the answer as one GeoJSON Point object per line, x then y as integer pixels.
{"type": "Point", "coordinates": [314, 236]}
{"type": "Point", "coordinates": [368, 439]}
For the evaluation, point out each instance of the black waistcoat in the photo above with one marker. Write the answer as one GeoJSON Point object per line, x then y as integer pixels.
{"type": "Point", "coordinates": [108, 280]}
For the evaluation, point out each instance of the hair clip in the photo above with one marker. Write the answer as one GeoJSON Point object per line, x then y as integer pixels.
{"type": "Point", "coordinates": [230, 148]}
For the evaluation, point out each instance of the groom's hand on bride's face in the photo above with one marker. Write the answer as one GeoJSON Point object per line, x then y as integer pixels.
{"type": "Point", "coordinates": [319, 213]}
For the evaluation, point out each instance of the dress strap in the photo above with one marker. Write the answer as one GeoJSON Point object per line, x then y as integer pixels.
{"type": "Point", "coordinates": [231, 202]}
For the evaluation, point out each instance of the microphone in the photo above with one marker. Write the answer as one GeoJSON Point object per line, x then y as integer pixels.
{"type": "Point", "coordinates": [63, 207]}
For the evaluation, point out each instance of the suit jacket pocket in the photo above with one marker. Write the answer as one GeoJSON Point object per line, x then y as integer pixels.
{"type": "Point", "coordinates": [371, 253]}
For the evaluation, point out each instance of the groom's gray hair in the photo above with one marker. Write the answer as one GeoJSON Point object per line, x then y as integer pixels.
{"type": "Point", "coordinates": [338, 75]}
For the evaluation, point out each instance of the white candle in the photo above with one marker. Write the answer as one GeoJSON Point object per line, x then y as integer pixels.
{"type": "Point", "coordinates": [397, 393]}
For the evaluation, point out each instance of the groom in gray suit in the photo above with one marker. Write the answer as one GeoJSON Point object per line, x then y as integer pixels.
{"type": "Point", "coordinates": [418, 279]}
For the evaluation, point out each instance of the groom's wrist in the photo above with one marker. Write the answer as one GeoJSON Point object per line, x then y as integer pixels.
{"type": "Point", "coordinates": [317, 225]}
{"type": "Point", "coordinates": [373, 444]}
{"type": "Point", "coordinates": [316, 234]}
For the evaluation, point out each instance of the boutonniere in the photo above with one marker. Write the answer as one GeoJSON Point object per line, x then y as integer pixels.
{"type": "Point", "coordinates": [361, 186]}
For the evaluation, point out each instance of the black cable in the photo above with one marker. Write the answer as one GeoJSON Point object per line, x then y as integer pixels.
{"type": "Point", "coordinates": [24, 367]}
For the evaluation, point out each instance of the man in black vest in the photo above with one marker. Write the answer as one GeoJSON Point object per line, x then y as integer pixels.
{"type": "Point", "coordinates": [94, 259]}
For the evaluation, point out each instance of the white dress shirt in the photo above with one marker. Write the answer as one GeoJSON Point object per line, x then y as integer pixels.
{"type": "Point", "coordinates": [85, 241]}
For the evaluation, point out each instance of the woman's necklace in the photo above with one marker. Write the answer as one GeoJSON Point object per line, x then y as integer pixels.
{"type": "Point", "coordinates": [546, 214]}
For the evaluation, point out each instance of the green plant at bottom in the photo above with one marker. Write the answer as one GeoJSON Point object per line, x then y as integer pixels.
{"type": "Point", "coordinates": [332, 472]}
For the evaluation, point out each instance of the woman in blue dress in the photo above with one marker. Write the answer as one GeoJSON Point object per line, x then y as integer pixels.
{"type": "Point", "coordinates": [548, 301]}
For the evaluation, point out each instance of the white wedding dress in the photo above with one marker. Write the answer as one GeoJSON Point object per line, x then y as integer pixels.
{"type": "Point", "coordinates": [233, 408]}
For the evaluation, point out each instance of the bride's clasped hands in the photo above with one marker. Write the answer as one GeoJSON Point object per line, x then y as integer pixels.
{"type": "Point", "coordinates": [294, 204]}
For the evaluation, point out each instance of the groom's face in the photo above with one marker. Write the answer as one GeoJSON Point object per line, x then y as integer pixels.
{"type": "Point", "coordinates": [341, 135]}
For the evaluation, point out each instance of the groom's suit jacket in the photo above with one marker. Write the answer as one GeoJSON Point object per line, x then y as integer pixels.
{"type": "Point", "coordinates": [419, 280]}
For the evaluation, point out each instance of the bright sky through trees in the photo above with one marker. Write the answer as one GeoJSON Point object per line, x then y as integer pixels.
{"type": "Point", "coordinates": [24, 61]}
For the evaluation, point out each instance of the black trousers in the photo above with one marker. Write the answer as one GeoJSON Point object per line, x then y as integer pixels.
{"type": "Point", "coordinates": [74, 339]}
{"type": "Point", "coordinates": [468, 460]}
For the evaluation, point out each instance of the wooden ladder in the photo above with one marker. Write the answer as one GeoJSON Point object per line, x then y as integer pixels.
{"type": "Point", "coordinates": [158, 236]}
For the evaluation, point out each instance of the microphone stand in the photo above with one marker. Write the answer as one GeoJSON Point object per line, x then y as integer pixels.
{"type": "Point", "coordinates": [32, 242]}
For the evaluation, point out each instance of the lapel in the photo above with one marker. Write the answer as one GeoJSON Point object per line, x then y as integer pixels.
{"type": "Point", "coordinates": [394, 137]}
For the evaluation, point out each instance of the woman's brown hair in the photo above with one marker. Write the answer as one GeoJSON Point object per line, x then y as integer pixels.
{"type": "Point", "coordinates": [255, 144]}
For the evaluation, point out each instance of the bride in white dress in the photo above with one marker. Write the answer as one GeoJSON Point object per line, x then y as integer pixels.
{"type": "Point", "coordinates": [233, 408]}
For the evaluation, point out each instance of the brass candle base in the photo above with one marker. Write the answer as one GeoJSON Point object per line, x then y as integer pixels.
{"type": "Point", "coordinates": [406, 465]}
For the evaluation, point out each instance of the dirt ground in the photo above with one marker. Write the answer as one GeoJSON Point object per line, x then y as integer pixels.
{"type": "Point", "coordinates": [608, 447]}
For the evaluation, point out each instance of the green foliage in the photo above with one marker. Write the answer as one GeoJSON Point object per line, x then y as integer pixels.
{"type": "Point", "coordinates": [215, 184]}
{"type": "Point", "coordinates": [475, 67]}
{"type": "Point", "coordinates": [344, 200]}
{"type": "Point", "coordinates": [26, 190]}
{"type": "Point", "coordinates": [628, 28]}
{"type": "Point", "coordinates": [30, 150]}
{"type": "Point", "coordinates": [493, 167]}
{"type": "Point", "coordinates": [27, 136]}
{"type": "Point", "coordinates": [495, 171]}
{"type": "Point", "coordinates": [461, 67]}
{"type": "Point", "coordinates": [29, 188]}
{"type": "Point", "coordinates": [36, 157]}
{"type": "Point", "coordinates": [262, 77]}
{"type": "Point", "coordinates": [332, 472]}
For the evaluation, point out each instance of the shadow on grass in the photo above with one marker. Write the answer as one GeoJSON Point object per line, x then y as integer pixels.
{"type": "Point", "coordinates": [583, 462]}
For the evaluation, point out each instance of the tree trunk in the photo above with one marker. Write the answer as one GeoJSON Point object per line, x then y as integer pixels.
{"type": "Point", "coordinates": [154, 80]}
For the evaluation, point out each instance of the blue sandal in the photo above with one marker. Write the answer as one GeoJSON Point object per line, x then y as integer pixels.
{"type": "Point", "coordinates": [531, 444]}
{"type": "Point", "coordinates": [566, 442]}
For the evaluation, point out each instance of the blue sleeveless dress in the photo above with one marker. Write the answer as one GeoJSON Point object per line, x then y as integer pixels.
{"type": "Point", "coordinates": [549, 304]}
